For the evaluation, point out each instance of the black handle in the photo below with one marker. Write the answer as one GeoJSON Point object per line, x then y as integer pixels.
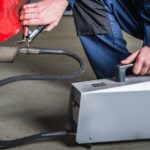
{"type": "Point", "coordinates": [36, 32]}
{"type": "Point", "coordinates": [121, 72]}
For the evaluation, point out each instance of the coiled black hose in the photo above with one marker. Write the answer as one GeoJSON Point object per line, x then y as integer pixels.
{"type": "Point", "coordinates": [12, 143]}
{"type": "Point", "coordinates": [45, 135]}
{"type": "Point", "coordinates": [46, 76]}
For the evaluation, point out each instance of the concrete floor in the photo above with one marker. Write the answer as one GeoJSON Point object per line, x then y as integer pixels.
{"type": "Point", "coordinates": [29, 107]}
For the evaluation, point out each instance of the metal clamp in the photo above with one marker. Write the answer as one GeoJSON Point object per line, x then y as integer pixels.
{"type": "Point", "coordinates": [29, 35]}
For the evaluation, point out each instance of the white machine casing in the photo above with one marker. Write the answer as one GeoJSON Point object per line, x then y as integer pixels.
{"type": "Point", "coordinates": [106, 110]}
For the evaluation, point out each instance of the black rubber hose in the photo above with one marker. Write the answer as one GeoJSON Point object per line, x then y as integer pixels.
{"type": "Point", "coordinates": [46, 135]}
{"type": "Point", "coordinates": [12, 143]}
{"type": "Point", "coordinates": [46, 76]}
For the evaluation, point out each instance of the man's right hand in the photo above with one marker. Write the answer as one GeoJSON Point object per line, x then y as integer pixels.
{"type": "Point", "coordinates": [44, 12]}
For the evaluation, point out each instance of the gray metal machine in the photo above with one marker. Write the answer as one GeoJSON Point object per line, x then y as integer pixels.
{"type": "Point", "coordinates": [107, 110]}
{"type": "Point", "coordinates": [104, 110]}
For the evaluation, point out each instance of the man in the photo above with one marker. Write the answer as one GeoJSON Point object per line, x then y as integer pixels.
{"type": "Point", "coordinates": [99, 24]}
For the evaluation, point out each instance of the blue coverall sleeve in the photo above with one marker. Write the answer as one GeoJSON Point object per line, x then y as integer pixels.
{"type": "Point", "coordinates": [144, 10]}
{"type": "Point", "coordinates": [71, 2]}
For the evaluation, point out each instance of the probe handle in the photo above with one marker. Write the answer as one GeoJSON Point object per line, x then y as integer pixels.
{"type": "Point", "coordinates": [36, 32]}
{"type": "Point", "coordinates": [121, 72]}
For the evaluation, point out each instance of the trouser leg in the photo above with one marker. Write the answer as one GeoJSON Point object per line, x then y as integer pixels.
{"type": "Point", "coordinates": [106, 51]}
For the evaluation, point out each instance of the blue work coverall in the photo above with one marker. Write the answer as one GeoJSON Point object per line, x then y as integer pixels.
{"type": "Point", "coordinates": [106, 49]}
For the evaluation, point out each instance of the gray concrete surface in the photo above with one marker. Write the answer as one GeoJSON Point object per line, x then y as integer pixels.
{"type": "Point", "coordinates": [29, 107]}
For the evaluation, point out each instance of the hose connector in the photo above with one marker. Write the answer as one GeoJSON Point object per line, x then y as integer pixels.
{"type": "Point", "coordinates": [30, 50]}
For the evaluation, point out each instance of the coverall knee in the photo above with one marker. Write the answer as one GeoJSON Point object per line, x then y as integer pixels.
{"type": "Point", "coordinates": [105, 51]}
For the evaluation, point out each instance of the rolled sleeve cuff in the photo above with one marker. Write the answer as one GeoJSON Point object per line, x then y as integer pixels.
{"type": "Point", "coordinates": [71, 3]}
{"type": "Point", "coordinates": [146, 35]}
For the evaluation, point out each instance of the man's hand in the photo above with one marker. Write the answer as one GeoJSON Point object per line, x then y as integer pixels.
{"type": "Point", "coordinates": [142, 61]}
{"type": "Point", "coordinates": [43, 12]}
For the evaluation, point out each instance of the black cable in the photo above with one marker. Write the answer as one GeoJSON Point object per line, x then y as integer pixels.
{"type": "Point", "coordinates": [12, 143]}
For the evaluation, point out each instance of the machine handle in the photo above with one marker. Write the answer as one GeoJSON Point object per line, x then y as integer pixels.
{"type": "Point", "coordinates": [121, 72]}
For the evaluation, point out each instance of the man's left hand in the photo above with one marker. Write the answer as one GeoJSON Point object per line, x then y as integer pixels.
{"type": "Point", "coordinates": [141, 59]}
